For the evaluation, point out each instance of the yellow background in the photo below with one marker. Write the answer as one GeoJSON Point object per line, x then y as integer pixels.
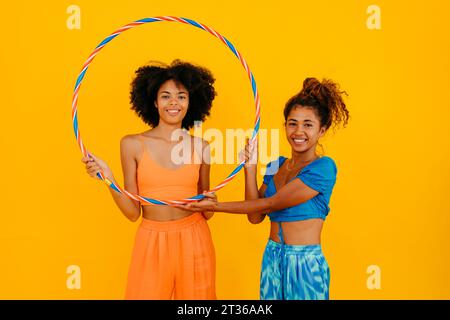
{"type": "Point", "coordinates": [390, 204]}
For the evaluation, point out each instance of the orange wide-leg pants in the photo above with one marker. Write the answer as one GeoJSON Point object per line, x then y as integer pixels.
{"type": "Point", "coordinates": [172, 260]}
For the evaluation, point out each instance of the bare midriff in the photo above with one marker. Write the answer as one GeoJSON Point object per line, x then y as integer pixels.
{"type": "Point", "coordinates": [304, 232]}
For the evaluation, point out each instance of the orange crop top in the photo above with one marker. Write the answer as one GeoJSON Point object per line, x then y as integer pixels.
{"type": "Point", "coordinates": [157, 182]}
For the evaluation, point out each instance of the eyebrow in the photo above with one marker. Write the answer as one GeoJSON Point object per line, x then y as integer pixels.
{"type": "Point", "coordinates": [179, 92]}
{"type": "Point", "coordinates": [307, 120]}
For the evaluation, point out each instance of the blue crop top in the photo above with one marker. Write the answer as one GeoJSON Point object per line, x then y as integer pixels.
{"type": "Point", "coordinates": [319, 175]}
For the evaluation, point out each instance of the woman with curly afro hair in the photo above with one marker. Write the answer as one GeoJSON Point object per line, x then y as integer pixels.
{"type": "Point", "coordinates": [295, 194]}
{"type": "Point", "coordinates": [173, 255]}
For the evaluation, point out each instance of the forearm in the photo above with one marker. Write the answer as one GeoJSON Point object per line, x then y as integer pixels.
{"type": "Point", "coordinates": [252, 193]}
{"type": "Point", "coordinates": [129, 207]}
{"type": "Point", "coordinates": [251, 185]}
{"type": "Point", "coordinates": [257, 206]}
{"type": "Point", "coordinates": [202, 186]}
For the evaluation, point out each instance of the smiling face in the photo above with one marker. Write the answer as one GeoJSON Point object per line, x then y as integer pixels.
{"type": "Point", "coordinates": [172, 102]}
{"type": "Point", "coordinates": [303, 128]}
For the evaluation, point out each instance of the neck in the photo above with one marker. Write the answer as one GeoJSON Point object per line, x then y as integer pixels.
{"type": "Point", "coordinates": [304, 157]}
{"type": "Point", "coordinates": [165, 130]}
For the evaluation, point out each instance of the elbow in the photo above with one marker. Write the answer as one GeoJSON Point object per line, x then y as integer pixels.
{"type": "Point", "coordinates": [207, 215]}
{"type": "Point", "coordinates": [134, 216]}
{"type": "Point", "coordinates": [265, 206]}
{"type": "Point", "coordinates": [255, 218]}
{"type": "Point", "coordinates": [254, 221]}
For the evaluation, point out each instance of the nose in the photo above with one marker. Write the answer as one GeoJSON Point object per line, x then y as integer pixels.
{"type": "Point", "coordinates": [299, 130]}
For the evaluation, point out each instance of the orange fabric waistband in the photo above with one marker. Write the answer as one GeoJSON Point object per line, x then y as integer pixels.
{"type": "Point", "coordinates": [172, 224]}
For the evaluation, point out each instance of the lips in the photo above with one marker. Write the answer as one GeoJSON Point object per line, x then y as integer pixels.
{"type": "Point", "coordinates": [173, 112]}
{"type": "Point", "coordinates": [300, 140]}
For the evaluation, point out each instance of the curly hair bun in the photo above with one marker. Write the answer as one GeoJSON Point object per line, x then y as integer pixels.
{"type": "Point", "coordinates": [325, 98]}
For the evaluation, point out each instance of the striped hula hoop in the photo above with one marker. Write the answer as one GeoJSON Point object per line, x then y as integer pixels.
{"type": "Point", "coordinates": [94, 53]}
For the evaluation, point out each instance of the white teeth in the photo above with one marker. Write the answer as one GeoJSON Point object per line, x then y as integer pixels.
{"type": "Point", "coordinates": [173, 112]}
{"type": "Point", "coordinates": [299, 140]}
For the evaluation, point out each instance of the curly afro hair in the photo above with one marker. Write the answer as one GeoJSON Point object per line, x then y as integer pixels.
{"type": "Point", "coordinates": [197, 80]}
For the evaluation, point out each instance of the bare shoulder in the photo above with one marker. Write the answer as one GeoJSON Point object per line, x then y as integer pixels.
{"type": "Point", "coordinates": [201, 147]}
{"type": "Point", "coordinates": [198, 141]}
{"type": "Point", "coordinates": [130, 139]}
{"type": "Point", "coordinates": [130, 144]}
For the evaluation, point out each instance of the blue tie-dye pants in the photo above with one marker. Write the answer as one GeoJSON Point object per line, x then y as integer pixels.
{"type": "Point", "coordinates": [294, 272]}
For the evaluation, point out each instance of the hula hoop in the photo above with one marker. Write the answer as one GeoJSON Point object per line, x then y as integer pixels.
{"type": "Point", "coordinates": [91, 57]}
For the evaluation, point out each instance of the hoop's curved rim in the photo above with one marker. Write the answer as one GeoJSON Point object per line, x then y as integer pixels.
{"type": "Point", "coordinates": [105, 41]}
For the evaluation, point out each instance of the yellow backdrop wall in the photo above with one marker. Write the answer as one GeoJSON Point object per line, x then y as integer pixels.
{"type": "Point", "coordinates": [389, 206]}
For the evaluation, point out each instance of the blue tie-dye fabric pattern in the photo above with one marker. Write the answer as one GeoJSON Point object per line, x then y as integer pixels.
{"type": "Point", "coordinates": [294, 272]}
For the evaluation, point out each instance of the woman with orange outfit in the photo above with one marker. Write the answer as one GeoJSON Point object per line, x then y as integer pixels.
{"type": "Point", "coordinates": [173, 255]}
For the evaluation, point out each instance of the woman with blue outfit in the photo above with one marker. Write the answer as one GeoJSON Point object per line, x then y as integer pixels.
{"type": "Point", "coordinates": [295, 194]}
